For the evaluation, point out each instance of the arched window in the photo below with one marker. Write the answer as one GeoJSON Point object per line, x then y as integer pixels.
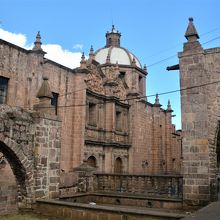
{"type": "Point", "coordinates": [91, 161]}
{"type": "Point", "coordinates": [118, 165]}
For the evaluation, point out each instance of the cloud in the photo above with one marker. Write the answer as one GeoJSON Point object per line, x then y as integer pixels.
{"type": "Point", "coordinates": [78, 46]}
{"type": "Point", "coordinates": [17, 39]}
{"type": "Point", "coordinates": [55, 52]}
{"type": "Point", "coordinates": [65, 57]}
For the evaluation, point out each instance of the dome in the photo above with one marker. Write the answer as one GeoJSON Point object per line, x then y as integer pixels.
{"type": "Point", "coordinates": [116, 54]}
{"type": "Point", "coordinates": [113, 53]}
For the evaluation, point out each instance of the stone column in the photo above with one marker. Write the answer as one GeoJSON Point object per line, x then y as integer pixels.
{"type": "Point", "coordinates": [47, 155]}
{"type": "Point", "coordinates": [196, 152]}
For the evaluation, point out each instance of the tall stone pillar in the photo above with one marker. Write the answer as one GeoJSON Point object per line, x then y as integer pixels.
{"type": "Point", "coordinates": [194, 107]}
{"type": "Point", "coordinates": [47, 145]}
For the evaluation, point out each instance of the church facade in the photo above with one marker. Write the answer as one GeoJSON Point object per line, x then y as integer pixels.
{"type": "Point", "coordinates": [106, 119]}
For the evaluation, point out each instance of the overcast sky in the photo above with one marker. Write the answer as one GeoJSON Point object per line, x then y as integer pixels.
{"type": "Point", "coordinates": [151, 29]}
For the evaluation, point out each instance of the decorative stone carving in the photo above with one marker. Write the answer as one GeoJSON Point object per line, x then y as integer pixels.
{"type": "Point", "coordinates": [94, 80]}
{"type": "Point", "coordinates": [119, 90]}
{"type": "Point", "coordinates": [112, 73]}
{"type": "Point", "coordinates": [114, 86]}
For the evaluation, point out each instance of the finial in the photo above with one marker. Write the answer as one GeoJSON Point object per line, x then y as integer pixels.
{"type": "Point", "coordinates": [169, 109]}
{"type": "Point", "coordinates": [191, 32]}
{"type": "Point", "coordinates": [45, 95]}
{"type": "Point", "coordinates": [108, 59]}
{"type": "Point", "coordinates": [44, 90]}
{"type": "Point", "coordinates": [145, 68]}
{"type": "Point", "coordinates": [37, 43]}
{"type": "Point", "coordinates": [113, 29]}
{"type": "Point", "coordinates": [157, 102]}
{"type": "Point", "coordinates": [133, 62]}
{"type": "Point", "coordinates": [83, 61]}
{"type": "Point", "coordinates": [116, 66]}
{"type": "Point", "coordinates": [91, 50]}
{"type": "Point", "coordinates": [91, 53]}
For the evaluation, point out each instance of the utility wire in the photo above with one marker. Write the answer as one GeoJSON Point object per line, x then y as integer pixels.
{"type": "Point", "coordinates": [160, 61]}
{"type": "Point", "coordinates": [140, 97]}
{"type": "Point", "coordinates": [175, 46]}
{"type": "Point", "coordinates": [168, 58]}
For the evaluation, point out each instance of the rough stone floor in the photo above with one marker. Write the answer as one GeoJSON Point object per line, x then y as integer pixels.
{"type": "Point", "coordinates": [210, 212]}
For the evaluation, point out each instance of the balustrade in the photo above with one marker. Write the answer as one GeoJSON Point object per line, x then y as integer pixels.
{"type": "Point", "coordinates": [167, 186]}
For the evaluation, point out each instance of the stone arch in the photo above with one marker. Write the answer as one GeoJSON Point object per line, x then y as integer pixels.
{"type": "Point", "coordinates": [92, 161]}
{"type": "Point", "coordinates": [20, 166]}
{"type": "Point", "coordinates": [118, 165]}
{"type": "Point", "coordinates": [214, 160]}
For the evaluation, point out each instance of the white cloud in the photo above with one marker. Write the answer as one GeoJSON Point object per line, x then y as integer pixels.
{"type": "Point", "coordinates": [54, 51]}
{"type": "Point", "coordinates": [78, 46]}
{"type": "Point", "coordinates": [65, 57]}
{"type": "Point", "coordinates": [17, 39]}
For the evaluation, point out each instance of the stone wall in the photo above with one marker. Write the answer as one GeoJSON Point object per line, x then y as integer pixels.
{"type": "Point", "coordinates": [47, 155]}
{"type": "Point", "coordinates": [25, 70]}
{"type": "Point", "coordinates": [8, 190]}
{"type": "Point", "coordinates": [154, 140]}
{"type": "Point", "coordinates": [30, 142]}
{"type": "Point", "coordinates": [199, 78]}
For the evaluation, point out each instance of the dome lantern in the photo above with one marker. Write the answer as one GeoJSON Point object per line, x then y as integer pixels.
{"type": "Point", "coordinates": [113, 38]}
{"type": "Point", "coordinates": [112, 52]}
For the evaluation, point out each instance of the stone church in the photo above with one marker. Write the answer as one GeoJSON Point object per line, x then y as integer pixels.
{"type": "Point", "coordinates": [105, 116]}
{"type": "Point", "coordinates": [54, 119]}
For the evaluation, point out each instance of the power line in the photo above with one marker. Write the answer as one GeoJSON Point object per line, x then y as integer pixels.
{"type": "Point", "coordinates": [141, 97]}
{"type": "Point", "coordinates": [160, 61]}
{"type": "Point", "coordinates": [168, 49]}
{"type": "Point", "coordinates": [168, 58]}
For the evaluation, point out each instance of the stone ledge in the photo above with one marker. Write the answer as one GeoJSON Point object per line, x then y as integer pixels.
{"type": "Point", "coordinates": [109, 208]}
{"type": "Point", "coordinates": [46, 116]}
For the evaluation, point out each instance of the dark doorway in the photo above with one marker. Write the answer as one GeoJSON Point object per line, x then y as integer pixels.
{"type": "Point", "coordinates": [118, 165]}
{"type": "Point", "coordinates": [16, 167]}
{"type": "Point", "coordinates": [12, 180]}
{"type": "Point", "coordinates": [91, 161]}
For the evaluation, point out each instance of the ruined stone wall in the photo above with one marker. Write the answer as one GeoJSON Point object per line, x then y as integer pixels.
{"type": "Point", "coordinates": [30, 142]}
{"type": "Point", "coordinates": [199, 69]}
{"type": "Point", "coordinates": [25, 70]}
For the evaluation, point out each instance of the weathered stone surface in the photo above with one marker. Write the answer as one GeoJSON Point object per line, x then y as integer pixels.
{"type": "Point", "coordinates": [199, 68]}
{"type": "Point", "coordinates": [24, 144]}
